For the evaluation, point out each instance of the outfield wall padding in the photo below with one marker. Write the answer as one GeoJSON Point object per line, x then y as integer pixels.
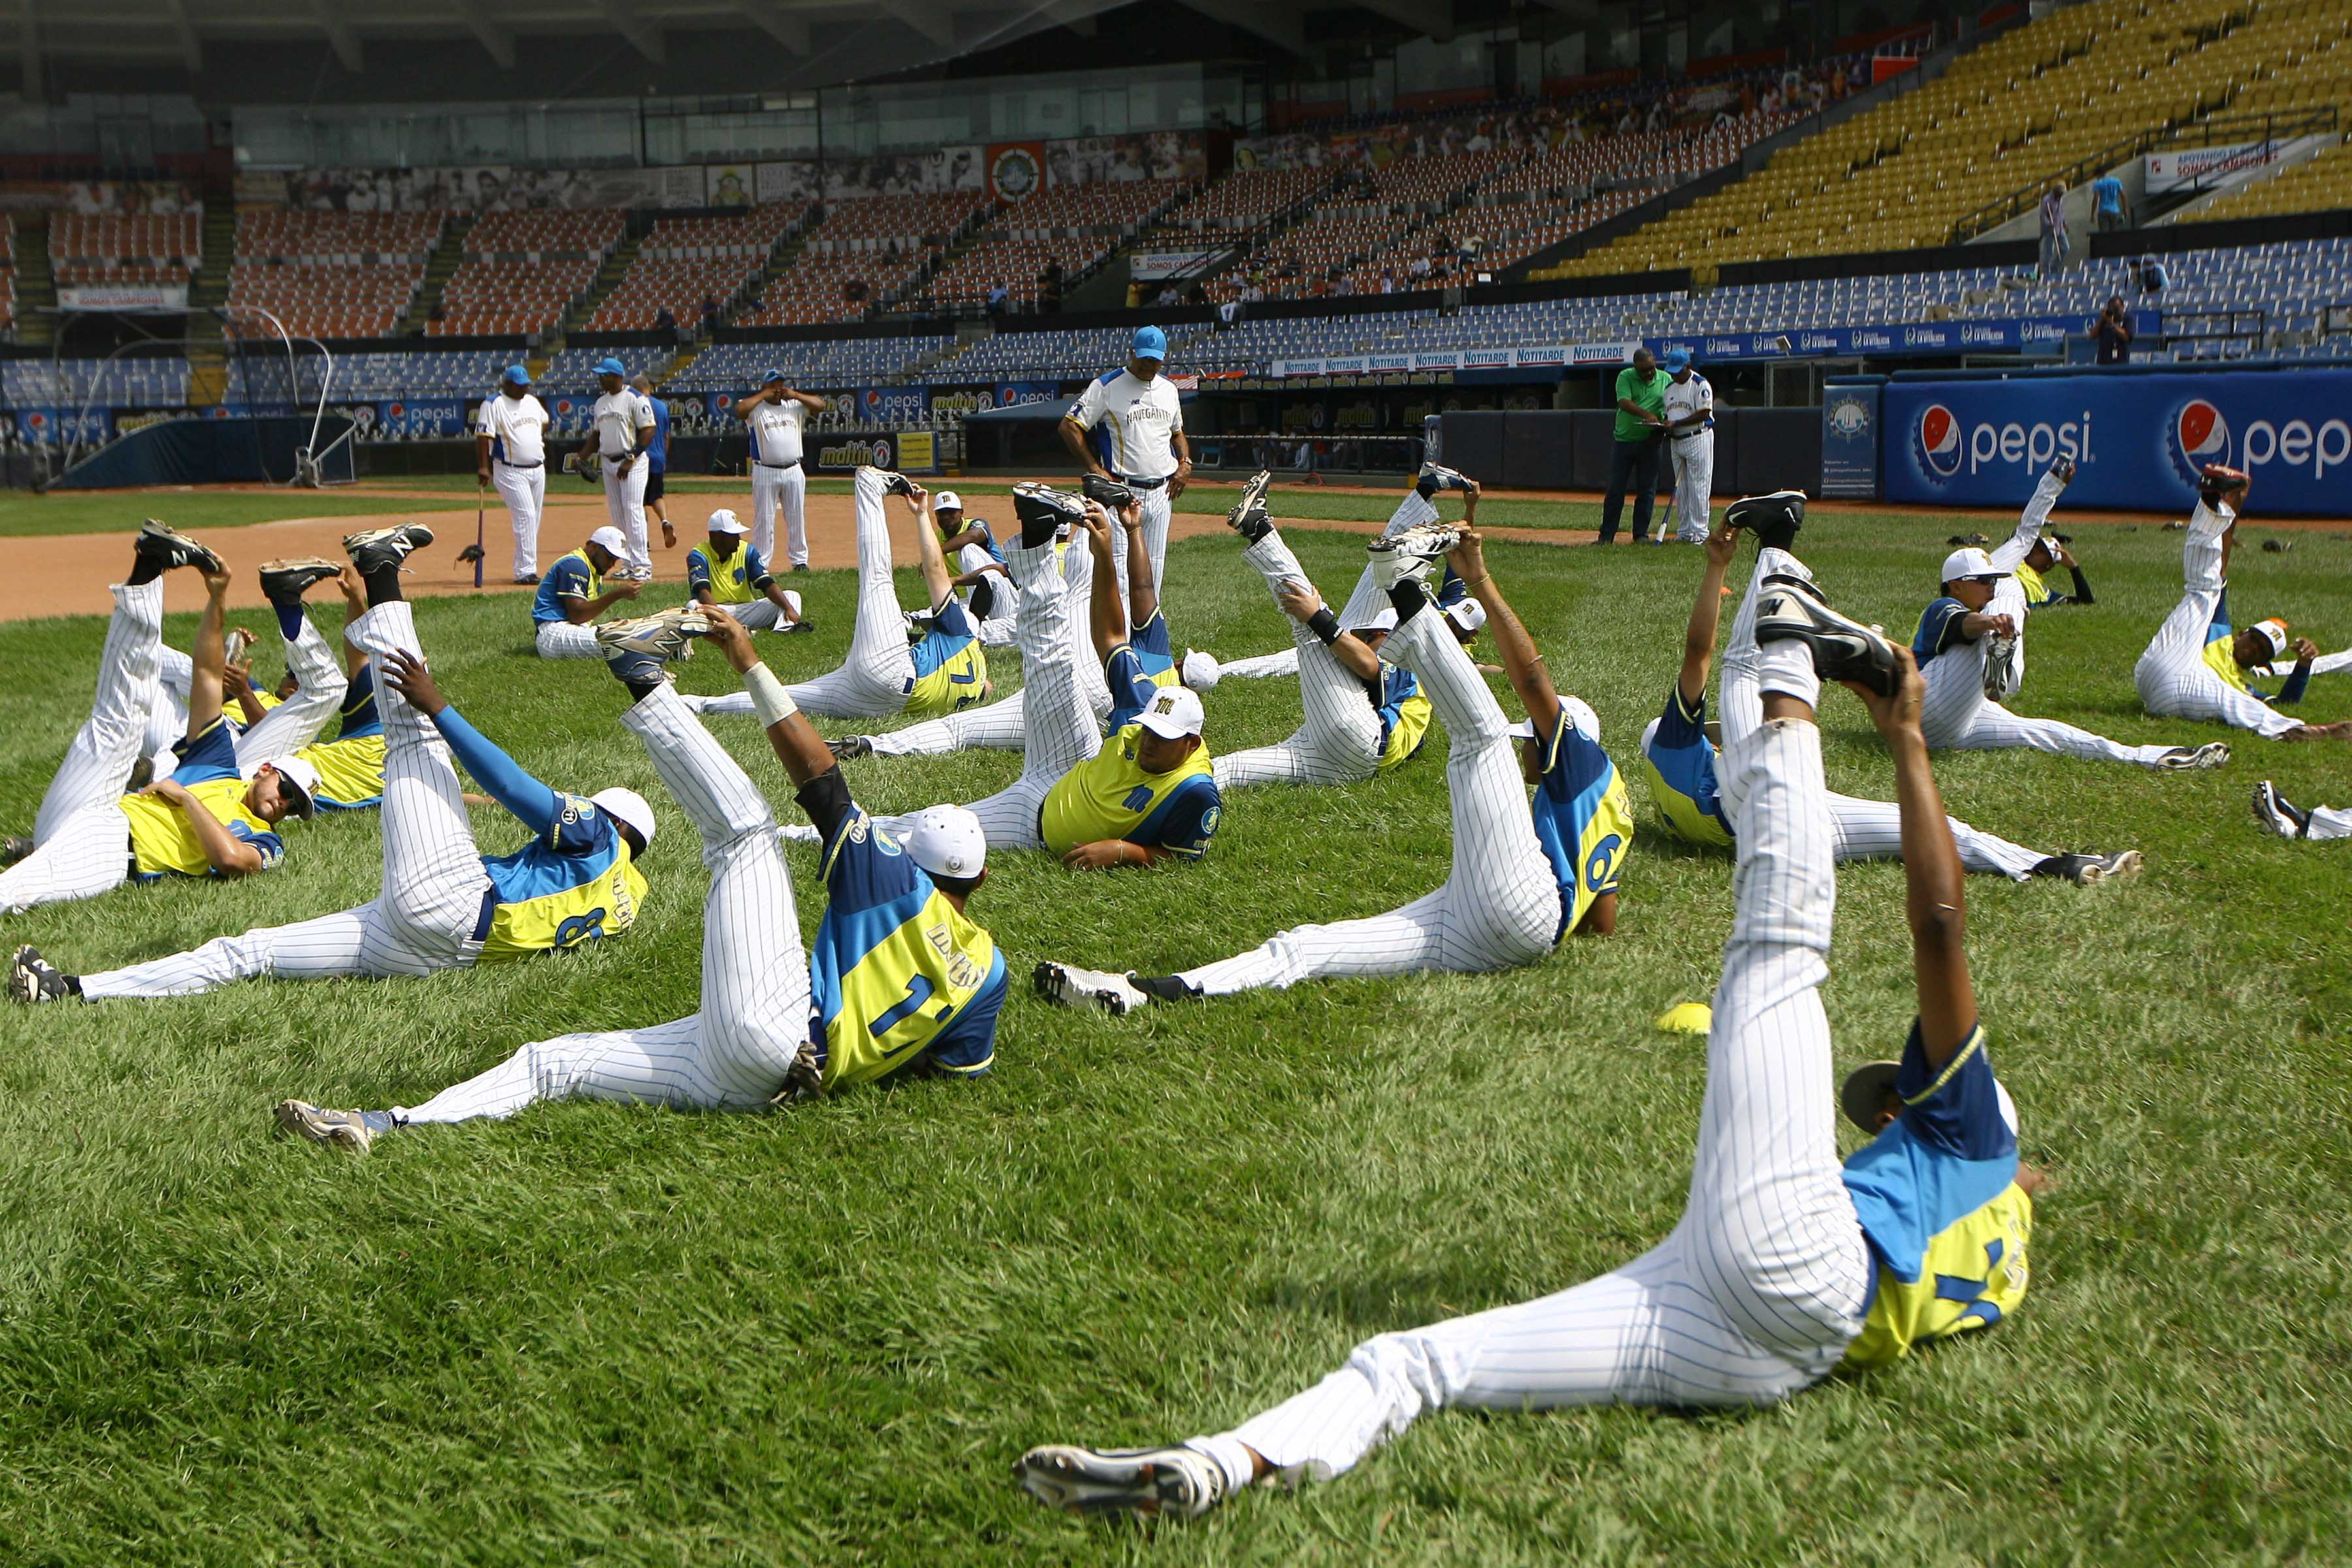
{"type": "Point", "coordinates": [209, 452]}
{"type": "Point", "coordinates": [1756, 449]}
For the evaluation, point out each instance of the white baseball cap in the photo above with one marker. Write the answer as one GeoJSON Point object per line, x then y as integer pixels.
{"type": "Point", "coordinates": [1580, 714]}
{"type": "Point", "coordinates": [1200, 671]}
{"type": "Point", "coordinates": [304, 778]}
{"type": "Point", "coordinates": [627, 806]}
{"type": "Point", "coordinates": [1384, 621]}
{"type": "Point", "coordinates": [1468, 616]}
{"type": "Point", "coordinates": [947, 501]}
{"type": "Point", "coordinates": [724, 521]}
{"type": "Point", "coordinates": [2273, 632]}
{"type": "Point", "coordinates": [1969, 562]}
{"type": "Point", "coordinates": [1173, 713]}
{"type": "Point", "coordinates": [612, 538]}
{"type": "Point", "coordinates": [947, 840]}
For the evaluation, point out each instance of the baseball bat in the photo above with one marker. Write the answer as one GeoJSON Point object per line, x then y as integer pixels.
{"type": "Point", "coordinates": [479, 501]}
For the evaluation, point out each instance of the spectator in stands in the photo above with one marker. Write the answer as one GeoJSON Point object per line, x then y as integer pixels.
{"type": "Point", "coordinates": [2111, 209]}
{"type": "Point", "coordinates": [2113, 329]}
{"type": "Point", "coordinates": [2152, 277]}
{"type": "Point", "coordinates": [2055, 242]}
{"type": "Point", "coordinates": [1641, 433]}
{"type": "Point", "coordinates": [656, 460]}
{"type": "Point", "coordinates": [999, 298]}
{"type": "Point", "coordinates": [667, 325]}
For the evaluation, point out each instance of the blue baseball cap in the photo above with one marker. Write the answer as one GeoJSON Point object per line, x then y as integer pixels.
{"type": "Point", "coordinates": [519, 375]}
{"type": "Point", "coordinates": [1677, 360]}
{"type": "Point", "coordinates": [611, 367]}
{"type": "Point", "coordinates": [767, 376]}
{"type": "Point", "coordinates": [1150, 343]}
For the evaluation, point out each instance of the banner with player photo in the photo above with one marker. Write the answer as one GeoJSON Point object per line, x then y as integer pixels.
{"type": "Point", "coordinates": [482, 188]}
{"type": "Point", "coordinates": [786, 182]}
{"type": "Point", "coordinates": [957, 168]}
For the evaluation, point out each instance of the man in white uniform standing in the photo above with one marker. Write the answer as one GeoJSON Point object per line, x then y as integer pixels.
{"type": "Point", "coordinates": [774, 416]}
{"type": "Point", "coordinates": [1690, 444]}
{"type": "Point", "coordinates": [624, 424]}
{"type": "Point", "coordinates": [1128, 425]}
{"type": "Point", "coordinates": [510, 453]}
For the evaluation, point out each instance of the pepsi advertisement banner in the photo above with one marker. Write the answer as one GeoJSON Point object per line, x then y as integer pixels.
{"type": "Point", "coordinates": [893, 406]}
{"type": "Point", "coordinates": [2138, 440]}
{"type": "Point", "coordinates": [417, 417]}
{"type": "Point", "coordinates": [85, 426]}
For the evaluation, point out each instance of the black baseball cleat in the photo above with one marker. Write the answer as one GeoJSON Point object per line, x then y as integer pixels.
{"type": "Point", "coordinates": [850, 747]}
{"type": "Point", "coordinates": [1999, 667]}
{"type": "Point", "coordinates": [791, 628]}
{"type": "Point", "coordinates": [1436, 476]}
{"type": "Point", "coordinates": [17, 846]}
{"type": "Point", "coordinates": [1801, 584]}
{"type": "Point", "coordinates": [2218, 482]}
{"type": "Point", "coordinates": [286, 582]}
{"type": "Point", "coordinates": [1843, 650]}
{"type": "Point", "coordinates": [1774, 519]}
{"type": "Point", "coordinates": [2089, 867]}
{"type": "Point", "coordinates": [1112, 492]}
{"type": "Point", "coordinates": [164, 547]}
{"type": "Point", "coordinates": [33, 979]}
{"type": "Point", "coordinates": [2062, 470]}
{"type": "Point", "coordinates": [1175, 1482]}
{"type": "Point", "coordinates": [1248, 516]}
{"type": "Point", "coordinates": [373, 549]}
{"type": "Point", "coordinates": [2271, 810]}
{"type": "Point", "coordinates": [895, 484]}
{"type": "Point", "coordinates": [1043, 511]}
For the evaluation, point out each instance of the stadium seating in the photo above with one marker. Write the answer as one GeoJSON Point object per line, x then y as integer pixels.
{"type": "Point", "coordinates": [522, 270]}
{"type": "Point", "coordinates": [331, 274]}
{"type": "Point", "coordinates": [85, 248]}
{"type": "Point", "coordinates": [124, 382]}
{"type": "Point", "coordinates": [1076, 226]}
{"type": "Point", "coordinates": [419, 373]}
{"type": "Point", "coordinates": [8, 279]}
{"type": "Point", "coordinates": [1061, 354]}
{"type": "Point", "coordinates": [2322, 184]}
{"type": "Point", "coordinates": [821, 363]}
{"type": "Point", "coordinates": [867, 252]}
{"type": "Point", "coordinates": [685, 262]}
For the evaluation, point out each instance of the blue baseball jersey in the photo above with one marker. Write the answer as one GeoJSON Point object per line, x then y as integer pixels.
{"type": "Point", "coordinates": [1937, 1197]}
{"type": "Point", "coordinates": [1583, 820]}
{"type": "Point", "coordinates": [569, 577]}
{"type": "Point", "coordinates": [1154, 651]}
{"type": "Point", "coordinates": [1398, 699]}
{"type": "Point", "coordinates": [1679, 761]}
{"type": "Point", "coordinates": [951, 632]}
{"type": "Point", "coordinates": [898, 975]}
{"type": "Point", "coordinates": [657, 448]}
{"type": "Point", "coordinates": [1940, 629]}
{"type": "Point", "coordinates": [574, 883]}
{"type": "Point", "coordinates": [987, 539]}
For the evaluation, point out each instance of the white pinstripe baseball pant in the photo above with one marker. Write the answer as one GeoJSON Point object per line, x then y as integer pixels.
{"type": "Point", "coordinates": [2326, 823]}
{"type": "Point", "coordinates": [762, 614]}
{"type": "Point", "coordinates": [1366, 601]}
{"type": "Point", "coordinates": [2009, 593]}
{"type": "Point", "coordinates": [873, 682]}
{"type": "Point", "coordinates": [624, 508]}
{"type": "Point", "coordinates": [423, 921]}
{"type": "Point", "coordinates": [2173, 679]}
{"type": "Point", "coordinates": [1059, 732]}
{"type": "Point", "coordinates": [1691, 457]}
{"type": "Point", "coordinates": [2329, 663]}
{"type": "Point", "coordinates": [734, 1053]}
{"type": "Point", "coordinates": [82, 838]}
{"type": "Point", "coordinates": [1157, 509]}
{"type": "Point", "coordinates": [1756, 1291]}
{"type": "Point", "coordinates": [774, 491]}
{"type": "Point", "coordinates": [1956, 717]}
{"type": "Point", "coordinates": [523, 491]}
{"type": "Point", "coordinates": [1500, 907]}
{"type": "Point", "coordinates": [319, 685]}
{"type": "Point", "coordinates": [1861, 829]}
{"type": "Point", "coordinates": [167, 721]}
{"type": "Point", "coordinates": [1341, 740]}
{"type": "Point", "coordinates": [563, 639]}
{"type": "Point", "coordinates": [1001, 627]}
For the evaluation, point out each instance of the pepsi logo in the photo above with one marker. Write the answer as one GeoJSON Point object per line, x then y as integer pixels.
{"type": "Point", "coordinates": [2202, 434]}
{"type": "Point", "coordinates": [1939, 439]}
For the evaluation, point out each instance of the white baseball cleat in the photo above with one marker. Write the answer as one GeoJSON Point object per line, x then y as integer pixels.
{"type": "Point", "coordinates": [1843, 649]}
{"type": "Point", "coordinates": [798, 833]}
{"type": "Point", "coordinates": [1151, 1482]}
{"type": "Point", "coordinates": [1411, 556]}
{"type": "Point", "coordinates": [2271, 810]}
{"type": "Point", "coordinates": [664, 635]}
{"type": "Point", "coordinates": [1438, 476]}
{"type": "Point", "coordinates": [352, 1130]}
{"type": "Point", "coordinates": [1999, 667]}
{"type": "Point", "coordinates": [1067, 985]}
{"type": "Point", "coordinates": [2182, 758]}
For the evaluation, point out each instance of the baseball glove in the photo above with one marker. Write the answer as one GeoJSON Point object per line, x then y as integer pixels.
{"type": "Point", "coordinates": [470, 554]}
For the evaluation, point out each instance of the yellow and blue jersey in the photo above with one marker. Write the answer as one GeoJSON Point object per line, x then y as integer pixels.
{"type": "Point", "coordinates": [351, 766]}
{"type": "Point", "coordinates": [898, 975]}
{"type": "Point", "coordinates": [575, 883]}
{"type": "Point", "coordinates": [1583, 819]}
{"type": "Point", "coordinates": [1679, 762]}
{"type": "Point", "coordinates": [1110, 796]}
{"type": "Point", "coordinates": [987, 539]}
{"type": "Point", "coordinates": [1405, 715]}
{"type": "Point", "coordinates": [1937, 1194]}
{"type": "Point", "coordinates": [163, 842]}
{"type": "Point", "coordinates": [737, 580]}
{"type": "Point", "coordinates": [950, 665]}
{"type": "Point", "coordinates": [569, 577]}
{"type": "Point", "coordinates": [1940, 629]}
{"type": "Point", "coordinates": [2037, 591]}
{"type": "Point", "coordinates": [2222, 660]}
{"type": "Point", "coordinates": [1155, 653]}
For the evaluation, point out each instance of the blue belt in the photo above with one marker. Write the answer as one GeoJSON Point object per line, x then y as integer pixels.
{"type": "Point", "coordinates": [490, 912]}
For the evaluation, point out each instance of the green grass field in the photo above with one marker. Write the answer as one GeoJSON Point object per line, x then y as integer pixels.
{"type": "Point", "coordinates": [596, 1334]}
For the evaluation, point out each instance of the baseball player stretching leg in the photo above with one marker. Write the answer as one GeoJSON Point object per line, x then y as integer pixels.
{"type": "Point", "coordinates": [207, 819]}
{"type": "Point", "coordinates": [443, 905]}
{"type": "Point", "coordinates": [313, 689]}
{"type": "Point", "coordinates": [2272, 811]}
{"type": "Point", "coordinates": [899, 978]}
{"type": "Point", "coordinates": [1682, 763]}
{"type": "Point", "coordinates": [1522, 878]}
{"type": "Point", "coordinates": [1785, 1265]}
{"type": "Point", "coordinates": [2195, 666]}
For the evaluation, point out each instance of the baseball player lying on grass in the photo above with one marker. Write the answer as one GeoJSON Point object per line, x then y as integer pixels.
{"type": "Point", "coordinates": [1523, 877]}
{"type": "Point", "coordinates": [1146, 796]}
{"type": "Point", "coordinates": [1002, 726]}
{"type": "Point", "coordinates": [728, 572]}
{"type": "Point", "coordinates": [1366, 604]}
{"type": "Point", "coordinates": [1786, 1265]}
{"type": "Point", "coordinates": [445, 905]}
{"type": "Point", "coordinates": [929, 661]}
{"type": "Point", "coordinates": [572, 595]}
{"type": "Point", "coordinates": [1970, 647]}
{"type": "Point", "coordinates": [263, 724]}
{"type": "Point", "coordinates": [1362, 714]}
{"type": "Point", "coordinates": [2195, 667]}
{"type": "Point", "coordinates": [900, 976]}
{"type": "Point", "coordinates": [1680, 760]}
{"type": "Point", "coordinates": [981, 574]}
{"type": "Point", "coordinates": [208, 818]}
{"type": "Point", "coordinates": [2050, 551]}
{"type": "Point", "coordinates": [2288, 821]}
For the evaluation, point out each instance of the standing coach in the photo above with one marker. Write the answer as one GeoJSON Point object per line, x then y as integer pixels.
{"type": "Point", "coordinates": [1690, 444]}
{"type": "Point", "coordinates": [1128, 425]}
{"type": "Point", "coordinates": [1640, 431]}
{"type": "Point", "coordinates": [624, 428]}
{"type": "Point", "coordinates": [774, 416]}
{"type": "Point", "coordinates": [510, 453]}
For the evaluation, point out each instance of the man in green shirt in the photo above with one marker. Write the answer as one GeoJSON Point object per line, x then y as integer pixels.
{"type": "Point", "coordinates": [1641, 435]}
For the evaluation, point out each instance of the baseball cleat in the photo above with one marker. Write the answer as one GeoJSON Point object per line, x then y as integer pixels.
{"type": "Point", "coordinates": [2218, 482]}
{"type": "Point", "coordinates": [1113, 494]}
{"type": "Point", "coordinates": [1999, 667]}
{"type": "Point", "coordinates": [1151, 1482]}
{"type": "Point", "coordinates": [2089, 867]}
{"type": "Point", "coordinates": [286, 582]}
{"type": "Point", "coordinates": [17, 846]}
{"type": "Point", "coordinates": [372, 549]}
{"type": "Point", "coordinates": [1411, 556]}
{"type": "Point", "coordinates": [352, 1130]}
{"type": "Point", "coordinates": [164, 547]}
{"type": "Point", "coordinates": [2272, 811]}
{"type": "Point", "coordinates": [1067, 985]}
{"type": "Point", "coordinates": [1248, 516]}
{"type": "Point", "coordinates": [528, 580]}
{"type": "Point", "coordinates": [33, 979]}
{"type": "Point", "coordinates": [793, 628]}
{"type": "Point", "coordinates": [663, 636]}
{"type": "Point", "coordinates": [1044, 512]}
{"type": "Point", "coordinates": [850, 747]}
{"type": "Point", "coordinates": [1436, 476]}
{"type": "Point", "coordinates": [892, 483]}
{"type": "Point", "coordinates": [235, 642]}
{"type": "Point", "coordinates": [1843, 650]}
{"type": "Point", "coordinates": [1790, 580]}
{"type": "Point", "coordinates": [2182, 758]}
{"type": "Point", "coordinates": [2062, 470]}
{"type": "Point", "coordinates": [1774, 518]}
